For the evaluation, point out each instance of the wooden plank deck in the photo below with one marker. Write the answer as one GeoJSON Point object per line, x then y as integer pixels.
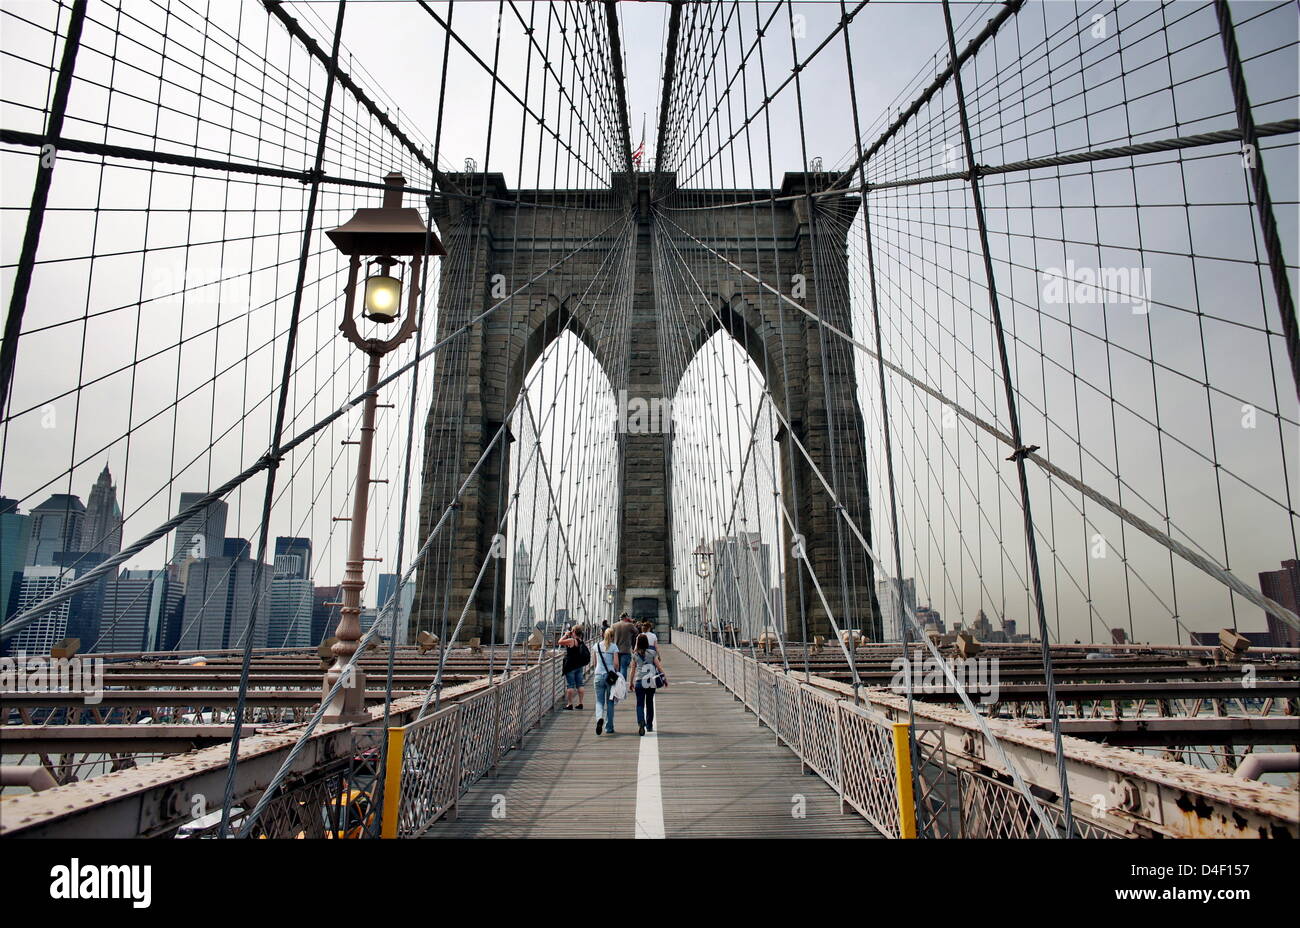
{"type": "Point", "coordinates": [709, 770]}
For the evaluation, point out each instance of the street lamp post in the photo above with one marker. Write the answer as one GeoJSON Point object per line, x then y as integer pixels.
{"type": "Point", "coordinates": [703, 569]}
{"type": "Point", "coordinates": [386, 235]}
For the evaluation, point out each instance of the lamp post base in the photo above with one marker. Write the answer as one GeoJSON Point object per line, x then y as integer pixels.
{"type": "Point", "coordinates": [350, 704]}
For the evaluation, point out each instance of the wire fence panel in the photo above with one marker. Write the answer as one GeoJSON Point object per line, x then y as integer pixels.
{"type": "Point", "coordinates": [445, 753]}
{"type": "Point", "coordinates": [870, 782]}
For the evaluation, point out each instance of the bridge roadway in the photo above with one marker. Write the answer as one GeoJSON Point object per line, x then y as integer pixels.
{"type": "Point", "coordinates": [707, 771]}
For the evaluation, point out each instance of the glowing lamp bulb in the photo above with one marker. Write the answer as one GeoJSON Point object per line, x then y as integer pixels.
{"type": "Point", "coordinates": [383, 296]}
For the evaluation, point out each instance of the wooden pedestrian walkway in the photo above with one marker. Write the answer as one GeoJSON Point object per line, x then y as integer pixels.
{"type": "Point", "coordinates": [709, 770]}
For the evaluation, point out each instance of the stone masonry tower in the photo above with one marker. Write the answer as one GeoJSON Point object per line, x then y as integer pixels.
{"type": "Point", "coordinates": [790, 241]}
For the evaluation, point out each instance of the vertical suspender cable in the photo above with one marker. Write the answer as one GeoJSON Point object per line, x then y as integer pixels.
{"type": "Point", "coordinates": [1013, 420]}
{"type": "Point", "coordinates": [273, 454]}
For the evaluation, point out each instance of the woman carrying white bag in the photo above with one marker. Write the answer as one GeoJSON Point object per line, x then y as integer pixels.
{"type": "Point", "coordinates": [604, 662]}
{"type": "Point", "coordinates": [648, 673]}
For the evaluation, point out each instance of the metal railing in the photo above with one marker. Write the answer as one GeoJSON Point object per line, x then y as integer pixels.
{"type": "Point", "coordinates": [433, 761]}
{"type": "Point", "coordinates": [865, 757]}
{"type": "Point", "coordinates": [860, 753]}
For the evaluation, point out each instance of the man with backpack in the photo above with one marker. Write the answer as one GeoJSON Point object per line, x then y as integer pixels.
{"type": "Point", "coordinates": [576, 658]}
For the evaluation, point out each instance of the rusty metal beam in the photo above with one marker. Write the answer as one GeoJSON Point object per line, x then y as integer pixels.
{"type": "Point", "coordinates": [113, 739]}
{"type": "Point", "coordinates": [154, 800]}
{"type": "Point", "coordinates": [1238, 729]}
{"type": "Point", "coordinates": [1123, 791]}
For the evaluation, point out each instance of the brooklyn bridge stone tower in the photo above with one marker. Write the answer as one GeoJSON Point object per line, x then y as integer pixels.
{"type": "Point", "coordinates": [764, 264]}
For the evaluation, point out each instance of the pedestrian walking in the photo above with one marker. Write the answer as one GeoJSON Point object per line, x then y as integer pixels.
{"type": "Point", "coordinates": [576, 657]}
{"type": "Point", "coordinates": [648, 673]}
{"type": "Point", "coordinates": [624, 636]}
{"type": "Point", "coordinates": [605, 668]}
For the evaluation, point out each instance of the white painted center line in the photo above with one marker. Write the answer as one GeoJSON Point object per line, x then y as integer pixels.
{"type": "Point", "coordinates": [649, 794]}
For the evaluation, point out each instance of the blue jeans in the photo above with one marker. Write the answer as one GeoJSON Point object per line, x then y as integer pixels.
{"type": "Point", "coordinates": [645, 706]}
{"type": "Point", "coordinates": [604, 705]}
{"type": "Point", "coordinates": [624, 662]}
{"type": "Point", "coordinates": [573, 679]}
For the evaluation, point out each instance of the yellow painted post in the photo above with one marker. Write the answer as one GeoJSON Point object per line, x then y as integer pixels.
{"type": "Point", "coordinates": [903, 782]}
{"type": "Point", "coordinates": [393, 782]}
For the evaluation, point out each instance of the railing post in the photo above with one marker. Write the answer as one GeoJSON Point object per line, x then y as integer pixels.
{"type": "Point", "coordinates": [839, 751]}
{"type": "Point", "coordinates": [496, 725]}
{"type": "Point", "coordinates": [903, 781]}
{"type": "Point", "coordinates": [803, 766]}
{"type": "Point", "coordinates": [460, 758]}
{"type": "Point", "coordinates": [776, 706]}
{"type": "Point", "coordinates": [393, 783]}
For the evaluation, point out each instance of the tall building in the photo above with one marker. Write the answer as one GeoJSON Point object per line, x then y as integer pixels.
{"type": "Point", "coordinates": [55, 527]}
{"type": "Point", "coordinates": [219, 596]}
{"type": "Point", "coordinates": [777, 601]}
{"type": "Point", "coordinates": [324, 617]}
{"type": "Point", "coordinates": [289, 618]}
{"type": "Point", "coordinates": [87, 603]}
{"type": "Point", "coordinates": [887, 597]}
{"type": "Point", "coordinates": [929, 619]}
{"type": "Point", "coordinates": [39, 582]}
{"type": "Point", "coordinates": [1283, 587]}
{"type": "Point", "coordinates": [384, 591]}
{"type": "Point", "coordinates": [102, 532]}
{"type": "Point", "coordinates": [742, 578]}
{"type": "Point", "coordinates": [521, 609]}
{"type": "Point", "coordinates": [202, 534]}
{"type": "Point", "coordinates": [296, 547]}
{"type": "Point", "coordinates": [14, 529]}
{"type": "Point", "coordinates": [134, 611]}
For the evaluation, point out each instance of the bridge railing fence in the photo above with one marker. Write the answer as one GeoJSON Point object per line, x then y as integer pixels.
{"type": "Point", "coordinates": [864, 756]}
{"type": "Point", "coordinates": [855, 750]}
{"type": "Point", "coordinates": [434, 760]}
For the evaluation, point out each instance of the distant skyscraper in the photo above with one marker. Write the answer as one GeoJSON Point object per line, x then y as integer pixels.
{"type": "Point", "coordinates": [134, 611]}
{"type": "Point", "coordinates": [102, 532]}
{"type": "Point", "coordinates": [521, 610]}
{"type": "Point", "coordinates": [777, 621]}
{"type": "Point", "coordinates": [38, 583]}
{"type": "Point", "coordinates": [14, 529]}
{"type": "Point", "coordinates": [384, 590]}
{"type": "Point", "coordinates": [55, 527]}
{"type": "Point", "coordinates": [929, 619]}
{"type": "Point", "coordinates": [218, 602]}
{"type": "Point", "coordinates": [289, 619]}
{"type": "Point", "coordinates": [202, 534]}
{"type": "Point", "coordinates": [742, 577]}
{"type": "Point", "coordinates": [324, 617]}
{"type": "Point", "coordinates": [887, 598]}
{"type": "Point", "coordinates": [299, 547]}
{"type": "Point", "coordinates": [1283, 587]}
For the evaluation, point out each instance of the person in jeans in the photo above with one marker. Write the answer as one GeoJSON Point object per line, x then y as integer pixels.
{"type": "Point", "coordinates": [603, 660]}
{"type": "Point", "coordinates": [575, 662]}
{"type": "Point", "coordinates": [624, 636]}
{"type": "Point", "coordinates": [645, 668]}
